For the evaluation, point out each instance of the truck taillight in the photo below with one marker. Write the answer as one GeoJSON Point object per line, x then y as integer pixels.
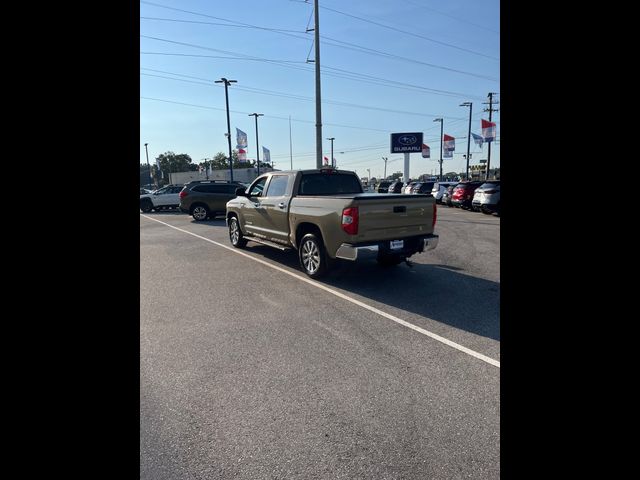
{"type": "Point", "coordinates": [435, 214]}
{"type": "Point", "coordinates": [183, 194]}
{"type": "Point", "coordinates": [350, 220]}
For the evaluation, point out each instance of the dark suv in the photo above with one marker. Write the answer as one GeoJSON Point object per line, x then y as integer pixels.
{"type": "Point", "coordinates": [204, 199]}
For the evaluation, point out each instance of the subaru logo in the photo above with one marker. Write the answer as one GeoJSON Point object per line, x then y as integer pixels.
{"type": "Point", "coordinates": [407, 140]}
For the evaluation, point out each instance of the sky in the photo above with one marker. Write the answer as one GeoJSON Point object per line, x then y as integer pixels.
{"type": "Point", "coordinates": [388, 66]}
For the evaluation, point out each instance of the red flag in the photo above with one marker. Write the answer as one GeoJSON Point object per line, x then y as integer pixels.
{"type": "Point", "coordinates": [326, 161]}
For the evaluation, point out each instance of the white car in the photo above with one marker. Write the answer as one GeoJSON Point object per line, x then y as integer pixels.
{"type": "Point", "coordinates": [165, 197]}
{"type": "Point", "coordinates": [407, 188]}
{"type": "Point", "coordinates": [439, 188]}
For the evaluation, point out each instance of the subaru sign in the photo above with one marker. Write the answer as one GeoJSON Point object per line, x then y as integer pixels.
{"type": "Point", "coordinates": [406, 142]}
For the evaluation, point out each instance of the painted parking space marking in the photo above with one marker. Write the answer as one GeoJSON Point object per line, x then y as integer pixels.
{"type": "Point", "coordinates": [341, 295]}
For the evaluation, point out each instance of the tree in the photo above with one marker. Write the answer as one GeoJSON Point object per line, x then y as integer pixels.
{"type": "Point", "coordinates": [172, 163]}
{"type": "Point", "coordinates": [220, 161]}
{"type": "Point", "coordinates": [396, 176]}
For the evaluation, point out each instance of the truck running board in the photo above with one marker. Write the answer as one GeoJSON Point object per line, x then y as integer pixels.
{"type": "Point", "coordinates": [267, 242]}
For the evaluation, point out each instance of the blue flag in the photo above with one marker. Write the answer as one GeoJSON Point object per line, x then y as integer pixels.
{"type": "Point", "coordinates": [478, 139]}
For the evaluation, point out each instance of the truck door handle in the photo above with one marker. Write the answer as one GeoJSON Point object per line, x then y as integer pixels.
{"type": "Point", "coordinates": [281, 205]}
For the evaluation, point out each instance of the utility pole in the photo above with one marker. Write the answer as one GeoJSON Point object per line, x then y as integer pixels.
{"type": "Point", "coordinates": [333, 165]}
{"type": "Point", "coordinates": [257, 144]}
{"type": "Point", "coordinates": [385, 167]}
{"type": "Point", "coordinates": [148, 166]}
{"type": "Point", "coordinates": [226, 96]}
{"type": "Point", "coordinates": [490, 110]}
{"type": "Point", "coordinates": [441, 134]}
{"type": "Point", "coordinates": [470, 105]}
{"type": "Point", "coordinates": [316, 60]}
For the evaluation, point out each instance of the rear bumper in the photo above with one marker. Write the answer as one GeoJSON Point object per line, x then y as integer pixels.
{"type": "Point", "coordinates": [348, 251]}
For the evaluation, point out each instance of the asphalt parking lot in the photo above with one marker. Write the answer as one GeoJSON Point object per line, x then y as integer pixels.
{"type": "Point", "coordinates": [248, 369]}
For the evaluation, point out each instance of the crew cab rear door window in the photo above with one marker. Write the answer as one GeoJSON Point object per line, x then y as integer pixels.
{"type": "Point", "coordinates": [277, 186]}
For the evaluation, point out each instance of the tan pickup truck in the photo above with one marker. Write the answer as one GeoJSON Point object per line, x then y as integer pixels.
{"type": "Point", "coordinates": [325, 215]}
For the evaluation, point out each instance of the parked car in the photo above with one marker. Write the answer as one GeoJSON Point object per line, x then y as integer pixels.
{"type": "Point", "coordinates": [408, 187]}
{"type": "Point", "coordinates": [165, 197]}
{"type": "Point", "coordinates": [463, 194]}
{"type": "Point", "coordinates": [422, 188]}
{"type": "Point", "coordinates": [204, 199]}
{"type": "Point", "coordinates": [446, 195]}
{"type": "Point", "coordinates": [324, 215]}
{"type": "Point", "coordinates": [383, 187]}
{"type": "Point", "coordinates": [439, 188]}
{"type": "Point", "coordinates": [144, 191]}
{"type": "Point", "coordinates": [487, 197]}
{"type": "Point", "coordinates": [395, 187]}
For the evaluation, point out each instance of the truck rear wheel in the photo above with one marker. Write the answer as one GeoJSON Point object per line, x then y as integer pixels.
{"type": "Point", "coordinates": [313, 256]}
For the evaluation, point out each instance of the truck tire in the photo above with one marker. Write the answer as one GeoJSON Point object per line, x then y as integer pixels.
{"type": "Point", "coordinates": [235, 234]}
{"type": "Point", "coordinates": [313, 256]}
{"type": "Point", "coordinates": [200, 213]}
{"type": "Point", "coordinates": [146, 205]}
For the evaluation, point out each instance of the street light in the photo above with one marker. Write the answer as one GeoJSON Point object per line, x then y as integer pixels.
{"type": "Point", "coordinates": [226, 96]}
{"type": "Point", "coordinates": [332, 162]}
{"type": "Point", "coordinates": [257, 145]}
{"type": "Point", "coordinates": [441, 132]}
{"type": "Point", "coordinates": [470, 105]}
{"type": "Point", "coordinates": [148, 166]}
{"type": "Point", "coordinates": [385, 167]}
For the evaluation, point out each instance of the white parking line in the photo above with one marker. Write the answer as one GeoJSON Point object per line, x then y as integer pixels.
{"type": "Point", "coordinates": [435, 336]}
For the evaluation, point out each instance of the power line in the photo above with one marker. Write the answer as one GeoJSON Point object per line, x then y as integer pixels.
{"type": "Point", "coordinates": [412, 34]}
{"type": "Point", "coordinates": [285, 63]}
{"type": "Point", "coordinates": [359, 48]}
{"type": "Point", "coordinates": [266, 116]}
{"type": "Point", "coordinates": [261, 91]}
{"type": "Point", "coordinates": [451, 16]}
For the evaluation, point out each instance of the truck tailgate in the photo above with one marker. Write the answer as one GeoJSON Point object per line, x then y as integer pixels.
{"type": "Point", "coordinates": [389, 217]}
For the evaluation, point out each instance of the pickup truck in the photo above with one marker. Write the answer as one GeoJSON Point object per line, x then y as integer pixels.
{"type": "Point", "coordinates": [324, 215]}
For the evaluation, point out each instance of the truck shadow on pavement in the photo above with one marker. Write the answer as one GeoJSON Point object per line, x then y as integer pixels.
{"type": "Point", "coordinates": [440, 292]}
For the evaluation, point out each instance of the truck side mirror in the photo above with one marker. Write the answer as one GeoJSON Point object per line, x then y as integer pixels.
{"type": "Point", "coordinates": [240, 192]}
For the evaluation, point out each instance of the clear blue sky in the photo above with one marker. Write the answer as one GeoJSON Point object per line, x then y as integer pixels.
{"type": "Point", "coordinates": [456, 42]}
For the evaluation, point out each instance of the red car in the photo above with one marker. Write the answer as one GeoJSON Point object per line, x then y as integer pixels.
{"type": "Point", "coordinates": [463, 194]}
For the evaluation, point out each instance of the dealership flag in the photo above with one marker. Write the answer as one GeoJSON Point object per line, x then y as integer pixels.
{"type": "Point", "coordinates": [266, 155]}
{"type": "Point", "coordinates": [488, 130]}
{"type": "Point", "coordinates": [326, 161]}
{"type": "Point", "coordinates": [447, 154]}
{"type": "Point", "coordinates": [449, 143]}
{"type": "Point", "coordinates": [426, 151]}
{"type": "Point", "coordinates": [241, 139]}
{"type": "Point", "coordinates": [478, 139]}
{"type": "Point", "coordinates": [242, 155]}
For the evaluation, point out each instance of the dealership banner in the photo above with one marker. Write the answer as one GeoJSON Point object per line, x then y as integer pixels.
{"type": "Point", "coordinates": [488, 130]}
{"type": "Point", "coordinates": [426, 151]}
{"type": "Point", "coordinates": [242, 155]}
{"type": "Point", "coordinates": [478, 139]}
{"type": "Point", "coordinates": [449, 143]}
{"type": "Point", "coordinates": [241, 139]}
{"type": "Point", "coordinates": [266, 155]}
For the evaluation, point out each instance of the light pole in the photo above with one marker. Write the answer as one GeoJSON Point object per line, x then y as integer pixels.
{"type": "Point", "coordinates": [332, 162]}
{"type": "Point", "coordinates": [470, 105]}
{"type": "Point", "coordinates": [257, 144]}
{"type": "Point", "coordinates": [385, 167]}
{"type": "Point", "coordinates": [148, 166]}
{"type": "Point", "coordinates": [441, 132]}
{"type": "Point", "coordinates": [226, 96]}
